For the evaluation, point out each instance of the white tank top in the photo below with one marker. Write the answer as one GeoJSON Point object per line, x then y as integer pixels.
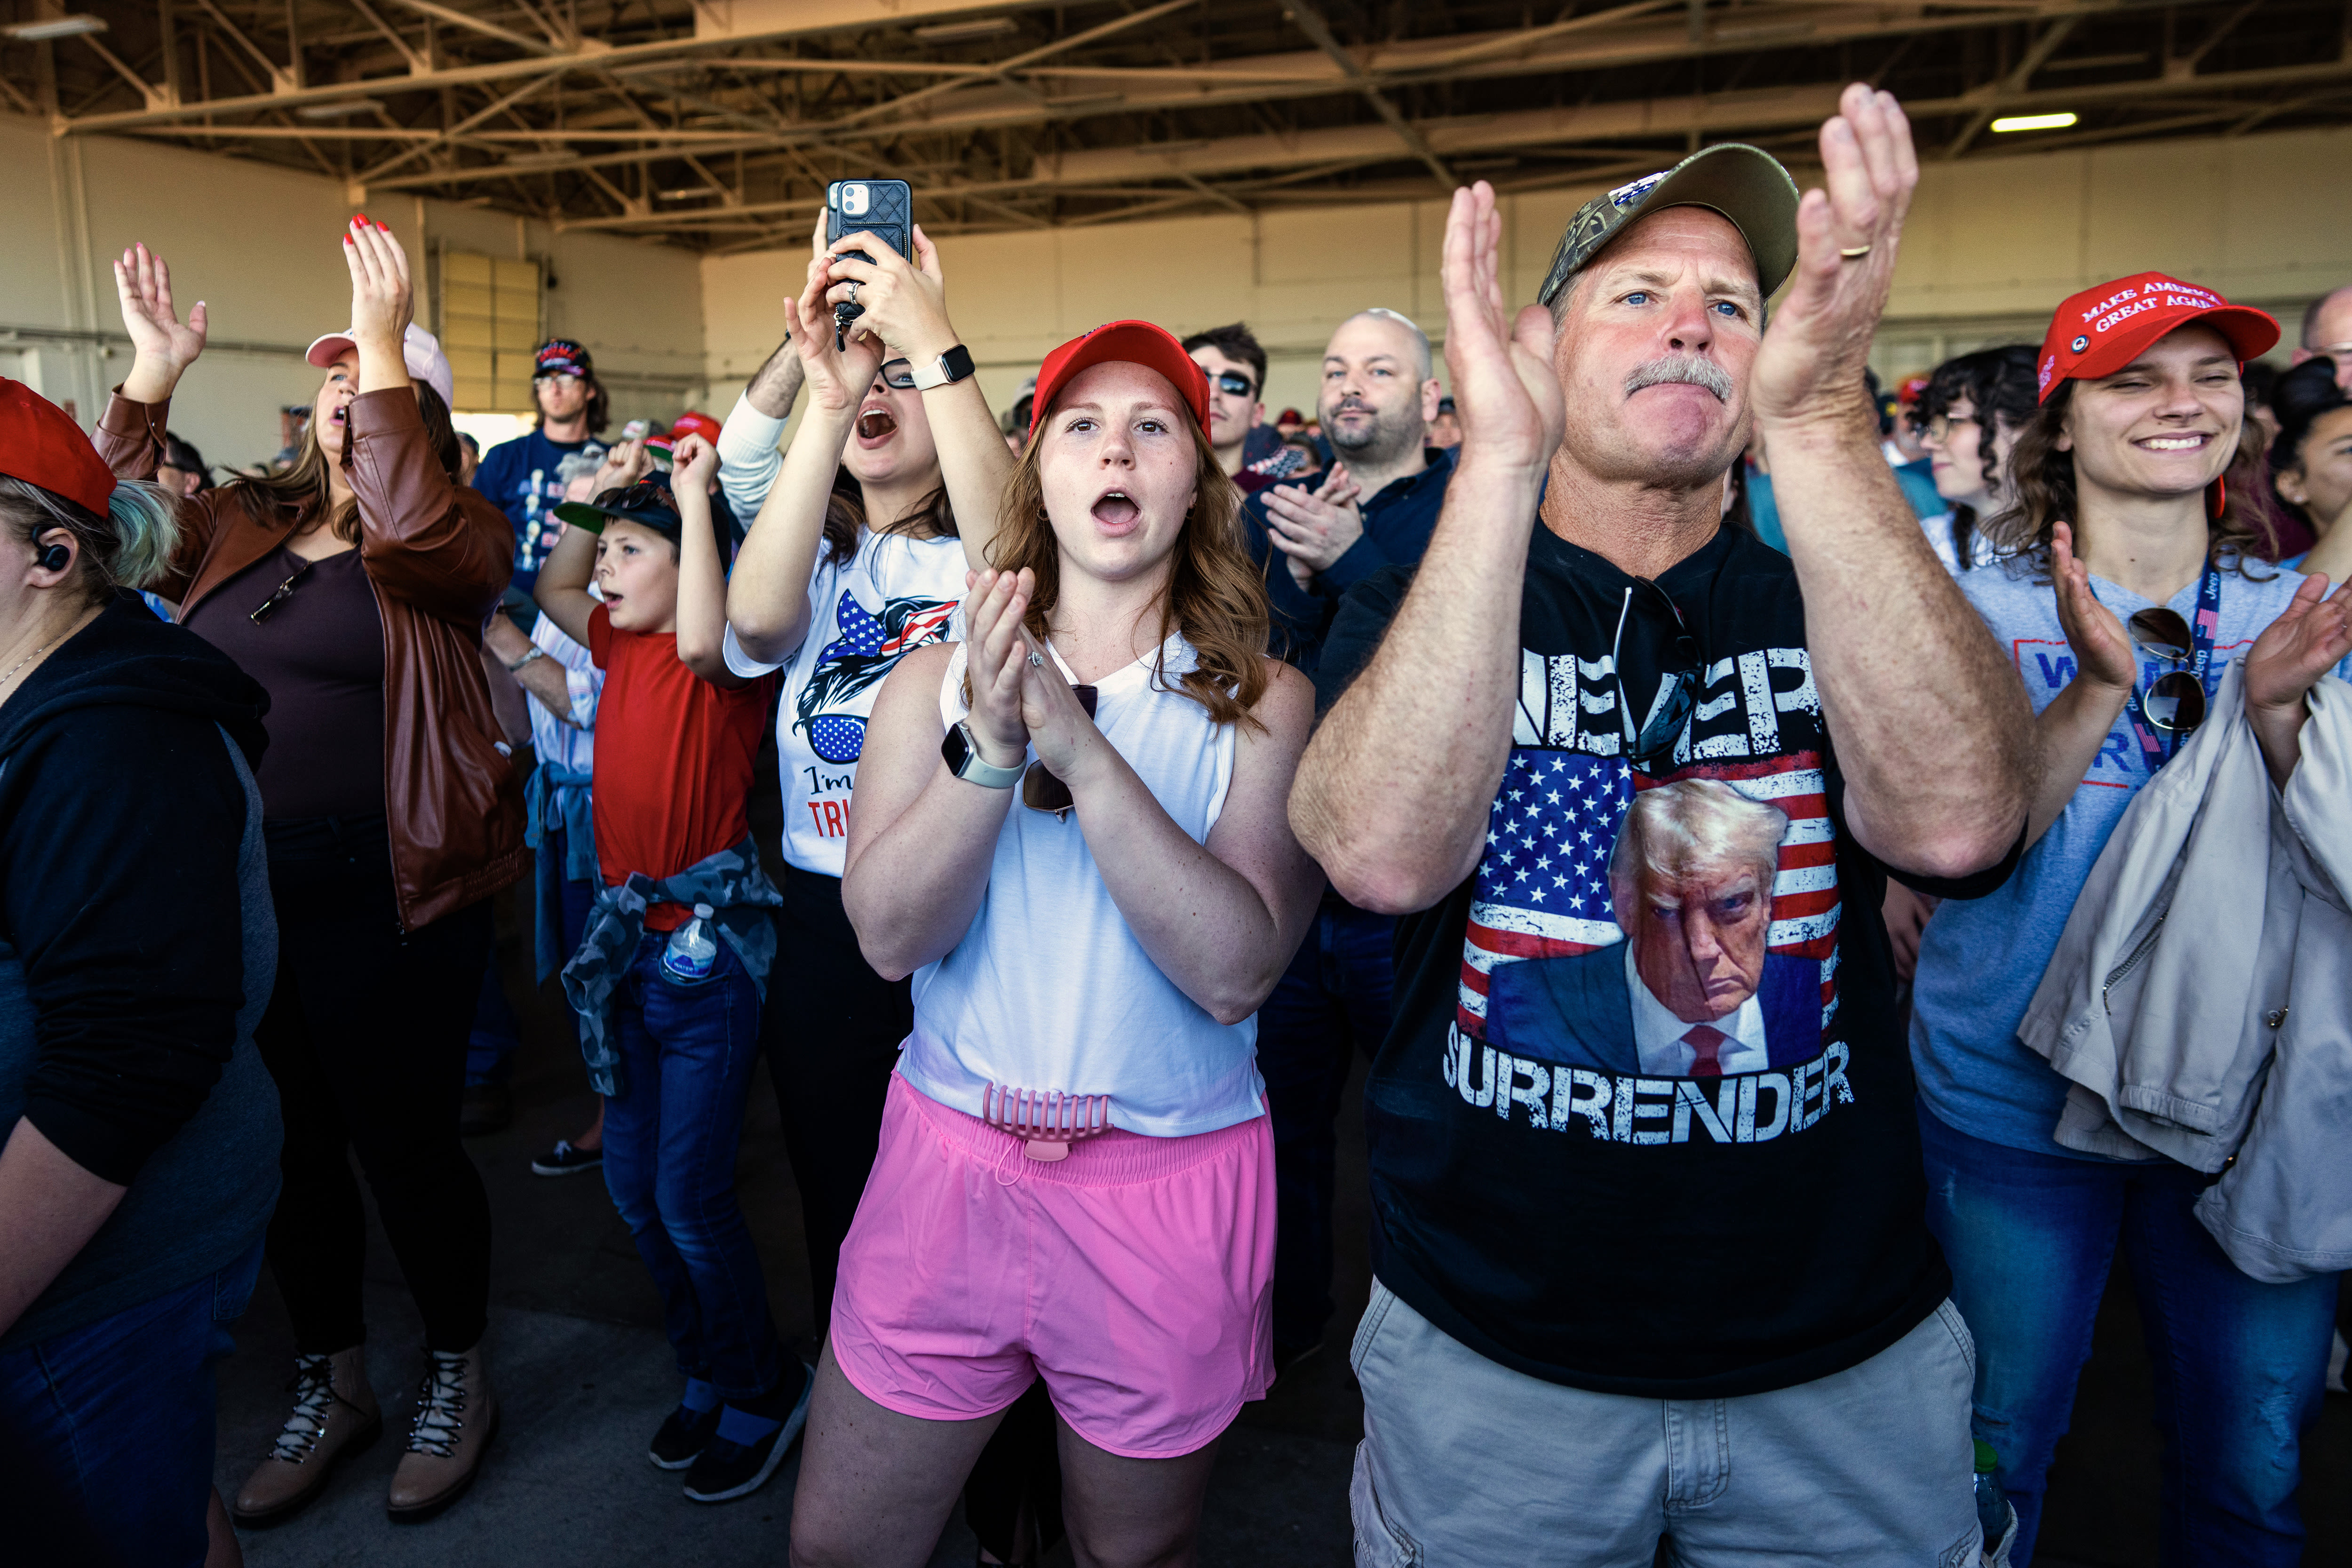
{"type": "Point", "coordinates": [1049, 990]}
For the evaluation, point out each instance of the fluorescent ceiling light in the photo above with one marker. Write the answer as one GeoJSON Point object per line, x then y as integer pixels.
{"type": "Point", "coordinates": [686, 193]}
{"type": "Point", "coordinates": [339, 110]}
{"type": "Point", "coordinates": [964, 32]}
{"type": "Point", "coordinates": [54, 27]}
{"type": "Point", "coordinates": [2035, 122]}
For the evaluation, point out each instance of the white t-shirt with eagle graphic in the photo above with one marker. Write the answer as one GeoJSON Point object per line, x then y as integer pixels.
{"type": "Point", "coordinates": [894, 595]}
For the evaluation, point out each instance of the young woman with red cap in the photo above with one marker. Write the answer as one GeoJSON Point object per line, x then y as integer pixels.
{"type": "Point", "coordinates": [138, 1130]}
{"type": "Point", "coordinates": [354, 587]}
{"type": "Point", "coordinates": [1072, 832]}
{"type": "Point", "coordinates": [2129, 586]}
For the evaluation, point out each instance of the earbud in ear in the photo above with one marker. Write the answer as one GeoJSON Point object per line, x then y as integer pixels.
{"type": "Point", "coordinates": [54, 558]}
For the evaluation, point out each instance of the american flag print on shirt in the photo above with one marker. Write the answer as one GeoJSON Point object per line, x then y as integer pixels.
{"type": "Point", "coordinates": [862, 652]}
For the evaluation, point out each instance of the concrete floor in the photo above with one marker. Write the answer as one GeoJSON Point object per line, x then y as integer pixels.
{"type": "Point", "coordinates": [584, 1377]}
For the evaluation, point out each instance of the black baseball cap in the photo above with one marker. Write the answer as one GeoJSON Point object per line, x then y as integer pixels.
{"type": "Point", "coordinates": [1746, 185]}
{"type": "Point", "coordinates": [647, 503]}
{"type": "Point", "coordinates": [561, 356]}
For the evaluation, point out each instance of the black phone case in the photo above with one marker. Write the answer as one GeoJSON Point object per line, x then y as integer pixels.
{"type": "Point", "coordinates": [890, 216]}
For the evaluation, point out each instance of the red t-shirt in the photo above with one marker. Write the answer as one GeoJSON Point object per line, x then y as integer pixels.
{"type": "Point", "coordinates": [674, 759]}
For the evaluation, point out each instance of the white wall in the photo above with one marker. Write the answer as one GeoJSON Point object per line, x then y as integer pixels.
{"type": "Point", "coordinates": [1992, 246]}
{"type": "Point", "coordinates": [261, 245]}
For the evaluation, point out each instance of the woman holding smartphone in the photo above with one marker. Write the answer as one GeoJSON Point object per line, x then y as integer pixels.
{"type": "Point", "coordinates": [1073, 834]}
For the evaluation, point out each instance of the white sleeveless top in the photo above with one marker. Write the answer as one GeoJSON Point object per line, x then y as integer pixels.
{"type": "Point", "coordinates": [1049, 989]}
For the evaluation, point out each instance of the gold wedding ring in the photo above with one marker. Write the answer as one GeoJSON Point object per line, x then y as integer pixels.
{"type": "Point", "coordinates": [1853, 253]}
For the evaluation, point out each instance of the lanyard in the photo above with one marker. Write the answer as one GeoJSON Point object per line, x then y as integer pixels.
{"type": "Point", "coordinates": [2156, 750]}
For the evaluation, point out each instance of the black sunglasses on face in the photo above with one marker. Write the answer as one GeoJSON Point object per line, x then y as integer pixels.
{"type": "Point", "coordinates": [1040, 790]}
{"type": "Point", "coordinates": [1232, 383]}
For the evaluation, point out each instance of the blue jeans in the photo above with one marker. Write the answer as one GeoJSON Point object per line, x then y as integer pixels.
{"type": "Point", "coordinates": [2239, 1365]}
{"type": "Point", "coordinates": [106, 1431]}
{"type": "Point", "coordinates": [670, 1137]}
{"type": "Point", "coordinates": [497, 1032]}
{"type": "Point", "coordinates": [1332, 1002]}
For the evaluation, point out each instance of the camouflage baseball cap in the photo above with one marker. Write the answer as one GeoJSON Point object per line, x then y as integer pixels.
{"type": "Point", "coordinates": [1746, 185]}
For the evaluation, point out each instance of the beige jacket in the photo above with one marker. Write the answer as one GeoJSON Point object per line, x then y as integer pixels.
{"type": "Point", "coordinates": [2223, 1039]}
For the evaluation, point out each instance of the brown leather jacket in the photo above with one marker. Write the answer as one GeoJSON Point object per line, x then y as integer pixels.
{"type": "Point", "coordinates": [438, 556]}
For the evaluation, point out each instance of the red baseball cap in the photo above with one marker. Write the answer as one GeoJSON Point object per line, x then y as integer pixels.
{"type": "Point", "coordinates": [39, 445]}
{"type": "Point", "coordinates": [1132, 342]}
{"type": "Point", "coordinates": [2101, 329]}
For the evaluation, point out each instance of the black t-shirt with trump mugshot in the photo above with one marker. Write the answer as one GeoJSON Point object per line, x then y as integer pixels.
{"type": "Point", "coordinates": [1643, 1123]}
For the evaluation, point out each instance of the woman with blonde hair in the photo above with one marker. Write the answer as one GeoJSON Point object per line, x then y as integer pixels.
{"type": "Point", "coordinates": [1072, 831]}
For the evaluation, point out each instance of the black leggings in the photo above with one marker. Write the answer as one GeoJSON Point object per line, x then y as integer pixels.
{"type": "Point", "coordinates": [365, 1035]}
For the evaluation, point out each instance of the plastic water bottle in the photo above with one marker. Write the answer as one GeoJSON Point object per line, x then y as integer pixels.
{"type": "Point", "coordinates": [693, 950]}
{"type": "Point", "coordinates": [1992, 1509]}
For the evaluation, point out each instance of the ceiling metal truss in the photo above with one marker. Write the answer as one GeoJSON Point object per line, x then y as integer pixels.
{"type": "Point", "coordinates": [716, 124]}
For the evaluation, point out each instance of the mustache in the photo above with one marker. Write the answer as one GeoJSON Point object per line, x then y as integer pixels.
{"type": "Point", "coordinates": [1692, 370]}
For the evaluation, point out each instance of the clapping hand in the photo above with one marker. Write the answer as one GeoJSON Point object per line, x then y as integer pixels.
{"type": "Point", "coordinates": [163, 345]}
{"type": "Point", "coordinates": [2103, 650]}
{"type": "Point", "coordinates": [1510, 403]}
{"type": "Point", "coordinates": [837, 377]}
{"type": "Point", "coordinates": [996, 657]}
{"type": "Point", "coordinates": [1315, 528]}
{"type": "Point", "coordinates": [1810, 361]}
{"type": "Point", "coordinates": [2311, 636]}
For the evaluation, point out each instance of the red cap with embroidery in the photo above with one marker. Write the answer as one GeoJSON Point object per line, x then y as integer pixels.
{"type": "Point", "coordinates": [39, 445]}
{"type": "Point", "coordinates": [2101, 329]}
{"type": "Point", "coordinates": [1133, 343]}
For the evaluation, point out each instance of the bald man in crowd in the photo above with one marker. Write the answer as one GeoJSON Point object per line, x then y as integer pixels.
{"type": "Point", "coordinates": [2327, 329]}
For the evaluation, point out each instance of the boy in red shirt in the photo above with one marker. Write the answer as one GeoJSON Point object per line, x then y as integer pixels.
{"type": "Point", "coordinates": [671, 1015]}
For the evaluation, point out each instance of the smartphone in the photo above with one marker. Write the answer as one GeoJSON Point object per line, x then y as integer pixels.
{"type": "Point", "coordinates": [884, 208]}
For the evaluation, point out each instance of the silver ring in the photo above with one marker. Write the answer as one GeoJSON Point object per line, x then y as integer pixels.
{"type": "Point", "coordinates": [1036, 660]}
{"type": "Point", "coordinates": [853, 291]}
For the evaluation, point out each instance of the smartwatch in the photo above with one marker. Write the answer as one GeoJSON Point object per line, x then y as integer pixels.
{"type": "Point", "coordinates": [962, 753]}
{"type": "Point", "coordinates": [954, 366]}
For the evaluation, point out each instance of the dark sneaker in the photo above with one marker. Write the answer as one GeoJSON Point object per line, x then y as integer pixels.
{"type": "Point", "coordinates": [564, 1160]}
{"type": "Point", "coordinates": [726, 1470]}
{"type": "Point", "coordinates": [683, 1435]}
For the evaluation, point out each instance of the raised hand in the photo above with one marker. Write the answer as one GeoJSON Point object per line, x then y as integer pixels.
{"type": "Point", "coordinates": [163, 346]}
{"type": "Point", "coordinates": [2311, 636]}
{"type": "Point", "coordinates": [2102, 649]}
{"type": "Point", "coordinates": [1059, 727]}
{"type": "Point", "coordinates": [625, 462]}
{"type": "Point", "coordinates": [383, 302]}
{"type": "Point", "coordinates": [836, 378]}
{"type": "Point", "coordinates": [905, 300]}
{"type": "Point", "coordinates": [1810, 361]}
{"type": "Point", "coordinates": [1510, 403]}
{"type": "Point", "coordinates": [693, 461]}
{"type": "Point", "coordinates": [996, 656]}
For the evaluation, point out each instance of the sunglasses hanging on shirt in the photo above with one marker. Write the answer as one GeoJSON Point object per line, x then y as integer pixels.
{"type": "Point", "coordinates": [1040, 790]}
{"type": "Point", "coordinates": [1652, 749]}
{"type": "Point", "coordinates": [2174, 703]}
{"type": "Point", "coordinates": [263, 611]}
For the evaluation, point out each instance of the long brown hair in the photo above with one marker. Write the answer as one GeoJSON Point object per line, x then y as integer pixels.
{"type": "Point", "coordinates": [844, 517]}
{"type": "Point", "coordinates": [303, 488]}
{"type": "Point", "coordinates": [2044, 495]}
{"type": "Point", "coordinates": [1214, 594]}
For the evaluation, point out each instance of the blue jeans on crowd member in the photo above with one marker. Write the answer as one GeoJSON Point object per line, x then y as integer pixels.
{"type": "Point", "coordinates": [2239, 1365]}
{"type": "Point", "coordinates": [490, 1048]}
{"type": "Point", "coordinates": [670, 1137]}
{"type": "Point", "coordinates": [1332, 1001]}
{"type": "Point", "coordinates": [106, 1431]}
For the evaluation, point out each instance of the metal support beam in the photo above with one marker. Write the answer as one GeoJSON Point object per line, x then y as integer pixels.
{"type": "Point", "coordinates": [474, 24]}
{"type": "Point", "coordinates": [1310, 22]}
{"type": "Point", "coordinates": [417, 64]}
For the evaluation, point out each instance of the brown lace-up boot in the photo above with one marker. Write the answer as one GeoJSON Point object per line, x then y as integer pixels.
{"type": "Point", "coordinates": [334, 1415]}
{"type": "Point", "coordinates": [457, 1415]}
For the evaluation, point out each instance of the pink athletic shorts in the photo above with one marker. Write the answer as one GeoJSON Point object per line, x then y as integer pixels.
{"type": "Point", "coordinates": [1135, 1276]}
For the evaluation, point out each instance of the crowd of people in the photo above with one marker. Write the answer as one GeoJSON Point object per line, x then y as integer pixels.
{"type": "Point", "coordinates": [1738, 817]}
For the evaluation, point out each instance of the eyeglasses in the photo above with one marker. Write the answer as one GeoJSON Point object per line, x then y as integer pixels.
{"type": "Point", "coordinates": [1940, 428]}
{"type": "Point", "coordinates": [261, 612]}
{"type": "Point", "coordinates": [1652, 749]}
{"type": "Point", "coordinates": [899, 374]}
{"type": "Point", "coordinates": [1232, 383]}
{"type": "Point", "coordinates": [2175, 703]}
{"type": "Point", "coordinates": [1040, 790]}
